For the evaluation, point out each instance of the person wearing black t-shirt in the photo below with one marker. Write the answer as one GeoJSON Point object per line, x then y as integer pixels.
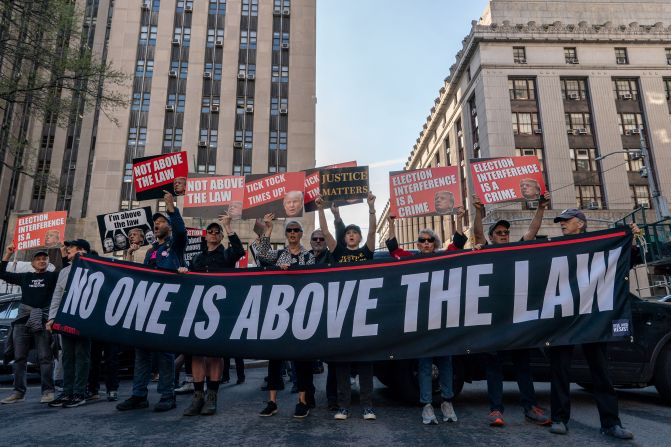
{"type": "Point", "coordinates": [344, 251]}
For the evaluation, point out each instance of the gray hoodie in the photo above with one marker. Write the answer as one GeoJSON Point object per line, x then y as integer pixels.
{"type": "Point", "coordinates": [58, 292]}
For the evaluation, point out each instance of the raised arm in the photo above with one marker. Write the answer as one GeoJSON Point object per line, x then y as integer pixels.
{"type": "Point", "coordinates": [236, 250]}
{"type": "Point", "coordinates": [372, 222]}
{"type": "Point", "coordinates": [338, 223]}
{"type": "Point", "coordinates": [12, 278]}
{"type": "Point", "coordinates": [330, 241]}
{"type": "Point", "coordinates": [263, 249]}
{"type": "Point", "coordinates": [478, 231]}
{"type": "Point", "coordinates": [391, 234]}
{"type": "Point", "coordinates": [537, 221]}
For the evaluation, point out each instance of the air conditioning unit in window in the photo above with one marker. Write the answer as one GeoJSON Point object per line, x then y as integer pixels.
{"type": "Point", "coordinates": [249, 109]}
{"type": "Point", "coordinates": [219, 43]}
{"type": "Point", "coordinates": [582, 131]}
{"type": "Point", "coordinates": [476, 146]}
{"type": "Point", "coordinates": [521, 61]}
{"type": "Point", "coordinates": [284, 111]}
{"type": "Point", "coordinates": [626, 96]}
{"type": "Point", "coordinates": [532, 205]}
{"type": "Point", "coordinates": [172, 73]}
{"type": "Point", "coordinates": [621, 60]}
{"type": "Point", "coordinates": [188, 8]}
{"type": "Point", "coordinates": [251, 77]}
{"type": "Point", "coordinates": [593, 205]}
{"type": "Point", "coordinates": [627, 132]}
{"type": "Point", "coordinates": [241, 76]}
{"type": "Point", "coordinates": [574, 96]}
{"type": "Point", "coordinates": [169, 107]}
{"type": "Point", "coordinates": [214, 108]}
{"type": "Point", "coordinates": [202, 143]}
{"type": "Point", "coordinates": [459, 133]}
{"type": "Point", "coordinates": [474, 112]}
{"type": "Point", "coordinates": [285, 45]}
{"type": "Point", "coordinates": [277, 12]}
{"type": "Point", "coordinates": [538, 131]}
{"type": "Point", "coordinates": [146, 5]}
{"type": "Point", "coordinates": [176, 41]}
{"type": "Point", "coordinates": [237, 144]}
{"type": "Point", "coordinates": [572, 60]}
{"type": "Point", "coordinates": [636, 131]}
{"type": "Point", "coordinates": [207, 75]}
{"type": "Point", "coordinates": [286, 12]}
{"type": "Point", "coordinates": [569, 131]}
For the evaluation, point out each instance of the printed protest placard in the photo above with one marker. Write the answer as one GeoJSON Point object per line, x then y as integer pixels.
{"type": "Point", "coordinates": [312, 183]}
{"type": "Point", "coordinates": [424, 192]}
{"type": "Point", "coordinates": [281, 194]}
{"type": "Point", "coordinates": [507, 179]}
{"type": "Point", "coordinates": [209, 197]}
{"type": "Point", "coordinates": [43, 230]}
{"type": "Point", "coordinates": [195, 244]}
{"type": "Point", "coordinates": [121, 229]}
{"type": "Point", "coordinates": [344, 185]}
{"type": "Point", "coordinates": [152, 175]}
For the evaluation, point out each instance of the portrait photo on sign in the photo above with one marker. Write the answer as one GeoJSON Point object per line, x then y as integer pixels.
{"type": "Point", "coordinates": [211, 196]}
{"type": "Point", "coordinates": [508, 179]}
{"type": "Point", "coordinates": [280, 193]}
{"type": "Point", "coordinates": [120, 230]}
{"type": "Point", "coordinates": [425, 192]}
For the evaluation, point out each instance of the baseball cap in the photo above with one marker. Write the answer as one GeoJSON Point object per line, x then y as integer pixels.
{"type": "Point", "coordinates": [161, 216]}
{"type": "Point", "coordinates": [81, 243]}
{"type": "Point", "coordinates": [352, 227]}
{"type": "Point", "coordinates": [40, 253]}
{"type": "Point", "coordinates": [501, 222]}
{"type": "Point", "coordinates": [215, 225]}
{"type": "Point", "coordinates": [569, 214]}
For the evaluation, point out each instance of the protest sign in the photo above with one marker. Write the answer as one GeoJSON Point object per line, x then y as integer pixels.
{"type": "Point", "coordinates": [343, 185]}
{"type": "Point", "coordinates": [507, 179]}
{"type": "Point", "coordinates": [210, 197]}
{"type": "Point", "coordinates": [281, 194]}
{"type": "Point", "coordinates": [195, 244]}
{"type": "Point", "coordinates": [312, 183]}
{"type": "Point", "coordinates": [114, 228]}
{"type": "Point", "coordinates": [43, 230]}
{"type": "Point", "coordinates": [565, 291]}
{"type": "Point", "coordinates": [154, 174]}
{"type": "Point", "coordinates": [424, 192]}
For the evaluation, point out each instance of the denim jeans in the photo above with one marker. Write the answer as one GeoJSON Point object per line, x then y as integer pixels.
{"type": "Point", "coordinates": [425, 377]}
{"type": "Point", "coordinates": [525, 381]}
{"type": "Point", "coordinates": [142, 375]}
{"type": "Point", "coordinates": [76, 363]}
{"type": "Point", "coordinates": [22, 341]}
{"type": "Point", "coordinates": [343, 374]}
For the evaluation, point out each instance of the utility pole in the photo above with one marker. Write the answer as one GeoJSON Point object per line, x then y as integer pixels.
{"type": "Point", "coordinates": [659, 201]}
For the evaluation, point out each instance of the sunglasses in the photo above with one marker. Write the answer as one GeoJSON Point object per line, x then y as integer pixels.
{"type": "Point", "coordinates": [424, 240]}
{"type": "Point", "coordinates": [318, 239]}
{"type": "Point", "coordinates": [502, 233]}
{"type": "Point", "coordinates": [294, 230]}
{"type": "Point", "coordinates": [213, 232]}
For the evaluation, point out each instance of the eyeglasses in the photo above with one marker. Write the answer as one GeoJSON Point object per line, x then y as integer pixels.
{"type": "Point", "coordinates": [294, 230]}
{"type": "Point", "coordinates": [213, 232]}
{"type": "Point", "coordinates": [318, 239]}
{"type": "Point", "coordinates": [502, 233]}
{"type": "Point", "coordinates": [424, 240]}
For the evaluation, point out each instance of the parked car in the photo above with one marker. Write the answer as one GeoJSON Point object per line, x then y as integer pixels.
{"type": "Point", "coordinates": [641, 361]}
{"type": "Point", "coordinates": [665, 299]}
{"type": "Point", "coordinates": [9, 309]}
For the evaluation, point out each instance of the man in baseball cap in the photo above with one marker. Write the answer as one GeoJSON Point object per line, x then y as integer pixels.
{"type": "Point", "coordinates": [80, 243]}
{"type": "Point", "coordinates": [572, 221]}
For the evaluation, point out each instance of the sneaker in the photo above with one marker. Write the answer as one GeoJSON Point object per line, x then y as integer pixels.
{"type": "Point", "coordinates": [496, 419]}
{"type": "Point", "coordinates": [14, 398]}
{"type": "Point", "coordinates": [302, 411]}
{"type": "Point", "coordinates": [537, 415]}
{"type": "Point", "coordinates": [165, 404]}
{"type": "Point", "coordinates": [196, 404]}
{"type": "Point", "coordinates": [369, 414]}
{"type": "Point", "coordinates": [341, 414]}
{"type": "Point", "coordinates": [271, 409]}
{"type": "Point", "coordinates": [133, 403]}
{"type": "Point", "coordinates": [60, 400]}
{"type": "Point", "coordinates": [112, 396]}
{"type": "Point", "coordinates": [47, 396]}
{"type": "Point", "coordinates": [186, 388]}
{"type": "Point", "coordinates": [210, 406]}
{"type": "Point", "coordinates": [92, 396]}
{"type": "Point", "coordinates": [428, 415]}
{"type": "Point", "coordinates": [558, 428]}
{"type": "Point", "coordinates": [76, 401]}
{"type": "Point", "coordinates": [448, 412]}
{"type": "Point", "coordinates": [616, 431]}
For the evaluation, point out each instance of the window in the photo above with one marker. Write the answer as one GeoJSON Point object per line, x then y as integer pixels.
{"type": "Point", "coordinates": [182, 68]}
{"type": "Point", "coordinates": [148, 35]}
{"type": "Point", "coordinates": [582, 160]}
{"type": "Point", "coordinates": [588, 197]}
{"type": "Point", "coordinates": [668, 55]}
{"type": "Point", "coordinates": [630, 123]}
{"type": "Point", "coordinates": [571, 55]}
{"type": "Point", "coordinates": [519, 55]}
{"type": "Point", "coordinates": [578, 123]}
{"type": "Point", "coordinates": [522, 89]}
{"type": "Point", "coordinates": [213, 35]}
{"type": "Point", "coordinates": [625, 89]}
{"type": "Point", "coordinates": [280, 73]}
{"type": "Point", "coordinates": [278, 103]}
{"type": "Point", "coordinates": [538, 153]}
{"type": "Point", "coordinates": [144, 68]}
{"type": "Point", "coordinates": [573, 89]}
{"type": "Point", "coordinates": [172, 139]}
{"type": "Point", "coordinates": [217, 7]}
{"type": "Point", "coordinates": [250, 8]}
{"type": "Point", "coordinates": [633, 164]}
{"type": "Point", "coordinates": [141, 101]}
{"type": "Point", "coordinates": [621, 57]}
{"type": "Point", "coordinates": [640, 194]}
{"type": "Point", "coordinates": [183, 35]}
{"type": "Point", "coordinates": [525, 123]}
{"type": "Point", "coordinates": [247, 40]}
{"type": "Point", "coordinates": [667, 88]}
{"type": "Point", "coordinates": [137, 136]}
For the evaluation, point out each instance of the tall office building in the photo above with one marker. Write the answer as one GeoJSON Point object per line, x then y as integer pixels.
{"type": "Point", "coordinates": [232, 82]}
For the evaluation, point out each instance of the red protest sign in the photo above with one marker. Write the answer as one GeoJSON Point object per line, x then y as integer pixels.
{"type": "Point", "coordinates": [154, 174]}
{"type": "Point", "coordinates": [507, 179]}
{"type": "Point", "coordinates": [281, 194]}
{"type": "Point", "coordinates": [243, 262]}
{"type": "Point", "coordinates": [40, 230]}
{"type": "Point", "coordinates": [213, 196]}
{"type": "Point", "coordinates": [424, 192]}
{"type": "Point", "coordinates": [312, 183]}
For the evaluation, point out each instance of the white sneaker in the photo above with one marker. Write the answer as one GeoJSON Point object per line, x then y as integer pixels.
{"type": "Point", "coordinates": [186, 388]}
{"type": "Point", "coordinates": [428, 415]}
{"type": "Point", "coordinates": [342, 414]}
{"type": "Point", "coordinates": [47, 397]}
{"type": "Point", "coordinates": [369, 415]}
{"type": "Point", "coordinates": [13, 398]}
{"type": "Point", "coordinates": [448, 412]}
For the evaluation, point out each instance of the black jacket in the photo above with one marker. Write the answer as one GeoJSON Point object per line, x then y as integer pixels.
{"type": "Point", "coordinates": [219, 259]}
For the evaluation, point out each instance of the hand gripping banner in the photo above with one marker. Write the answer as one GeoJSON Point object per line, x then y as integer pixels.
{"type": "Point", "coordinates": [561, 291]}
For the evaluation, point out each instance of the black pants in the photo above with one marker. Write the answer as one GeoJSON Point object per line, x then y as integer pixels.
{"type": "Point", "coordinates": [331, 384]}
{"type": "Point", "coordinates": [603, 391]}
{"type": "Point", "coordinates": [304, 376]}
{"type": "Point", "coordinates": [239, 368]}
{"type": "Point", "coordinates": [525, 381]}
{"type": "Point", "coordinates": [110, 353]}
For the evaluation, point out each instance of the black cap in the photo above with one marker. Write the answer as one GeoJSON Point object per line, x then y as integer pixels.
{"type": "Point", "coordinates": [569, 214]}
{"type": "Point", "coordinates": [501, 222]}
{"type": "Point", "coordinates": [81, 243]}
{"type": "Point", "coordinates": [215, 225]}
{"type": "Point", "coordinates": [161, 216]}
{"type": "Point", "coordinates": [40, 253]}
{"type": "Point", "coordinates": [352, 227]}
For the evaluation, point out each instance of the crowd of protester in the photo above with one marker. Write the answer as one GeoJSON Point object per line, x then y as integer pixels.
{"type": "Point", "coordinates": [80, 358]}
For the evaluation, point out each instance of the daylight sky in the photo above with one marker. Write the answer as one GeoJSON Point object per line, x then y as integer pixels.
{"type": "Point", "coordinates": [380, 64]}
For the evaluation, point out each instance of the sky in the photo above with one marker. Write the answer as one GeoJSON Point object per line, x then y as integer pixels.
{"type": "Point", "coordinates": [380, 65]}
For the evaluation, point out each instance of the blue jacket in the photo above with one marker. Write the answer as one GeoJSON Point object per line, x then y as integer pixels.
{"type": "Point", "coordinates": [169, 254]}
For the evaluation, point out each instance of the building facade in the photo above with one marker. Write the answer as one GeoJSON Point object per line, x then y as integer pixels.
{"type": "Point", "coordinates": [568, 82]}
{"type": "Point", "coordinates": [231, 82]}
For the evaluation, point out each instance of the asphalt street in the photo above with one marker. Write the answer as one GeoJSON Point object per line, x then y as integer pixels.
{"type": "Point", "coordinates": [398, 424]}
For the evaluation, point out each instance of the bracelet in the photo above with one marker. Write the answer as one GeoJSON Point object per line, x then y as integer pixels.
{"type": "Point", "coordinates": [231, 233]}
{"type": "Point", "coordinates": [371, 212]}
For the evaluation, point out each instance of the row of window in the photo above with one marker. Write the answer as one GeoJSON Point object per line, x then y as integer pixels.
{"type": "Point", "coordinates": [571, 55]}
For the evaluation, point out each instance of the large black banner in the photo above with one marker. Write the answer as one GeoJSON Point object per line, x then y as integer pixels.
{"type": "Point", "coordinates": [534, 294]}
